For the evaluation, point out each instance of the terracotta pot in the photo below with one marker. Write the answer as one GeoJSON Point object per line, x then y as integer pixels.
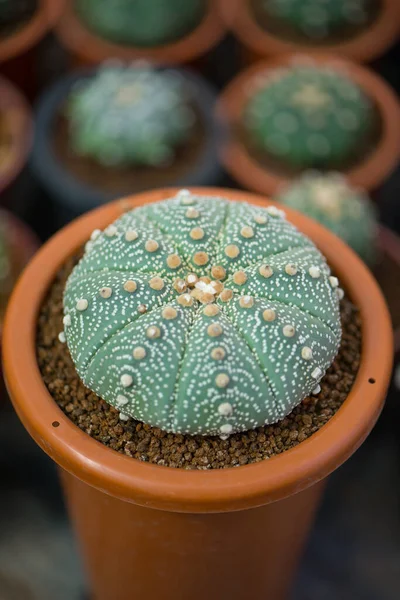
{"type": "Point", "coordinates": [364, 46]}
{"type": "Point", "coordinates": [86, 48]}
{"type": "Point", "coordinates": [369, 173]}
{"type": "Point", "coordinates": [389, 280]}
{"type": "Point", "coordinates": [171, 533]}
{"type": "Point", "coordinates": [17, 51]}
{"type": "Point", "coordinates": [18, 124]}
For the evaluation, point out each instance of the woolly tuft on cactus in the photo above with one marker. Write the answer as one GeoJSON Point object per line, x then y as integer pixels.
{"type": "Point", "coordinates": [127, 116]}
{"type": "Point", "coordinates": [316, 19]}
{"type": "Point", "coordinates": [202, 316]}
{"type": "Point", "coordinates": [346, 211]}
{"type": "Point", "coordinates": [141, 22]}
{"type": "Point", "coordinates": [309, 116]}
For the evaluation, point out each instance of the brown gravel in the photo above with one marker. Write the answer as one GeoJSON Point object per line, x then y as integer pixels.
{"type": "Point", "coordinates": [150, 444]}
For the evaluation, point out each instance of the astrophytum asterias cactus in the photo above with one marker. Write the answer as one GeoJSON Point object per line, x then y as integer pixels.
{"type": "Point", "coordinates": [319, 19]}
{"type": "Point", "coordinates": [309, 116]}
{"type": "Point", "coordinates": [345, 210]}
{"type": "Point", "coordinates": [141, 22]}
{"type": "Point", "coordinates": [127, 115]}
{"type": "Point", "coordinates": [202, 316]}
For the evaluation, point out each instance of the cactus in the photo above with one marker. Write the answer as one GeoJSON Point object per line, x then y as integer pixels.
{"type": "Point", "coordinates": [132, 115]}
{"type": "Point", "coordinates": [141, 22]}
{"type": "Point", "coordinates": [309, 116]}
{"type": "Point", "coordinates": [13, 12]}
{"type": "Point", "coordinates": [346, 211]}
{"type": "Point", "coordinates": [202, 316]}
{"type": "Point", "coordinates": [319, 20]}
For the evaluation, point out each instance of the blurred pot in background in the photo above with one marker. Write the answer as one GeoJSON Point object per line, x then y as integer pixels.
{"type": "Point", "coordinates": [163, 31]}
{"type": "Point", "coordinates": [17, 245]}
{"type": "Point", "coordinates": [293, 113]}
{"type": "Point", "coordinates": [360, 30]}
{"type": "Point", "coordinates": [23, 25]}
{"type": "Point", "coordinates": [16, 133]}
{"type": "Point", "coordinates": [107, 132]}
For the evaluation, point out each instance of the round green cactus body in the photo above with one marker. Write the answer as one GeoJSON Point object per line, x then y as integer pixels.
{"type": "Point", "coordinates": [127, 116]}
{"type": "Point", "coordinates": [141, 22]}
{"type": "Point", "coordinates": [202, 316]}
{"type": "Point", "coordinates": [346, 211]}
{"type": "Point", "coordinates": [309, 116]}
{"type": "Point", "coordinates": [319, 19]}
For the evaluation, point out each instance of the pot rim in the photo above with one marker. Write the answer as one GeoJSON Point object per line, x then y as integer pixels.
{"type": "Point", "coordinates": [180, 490]}
{"type": "Point", "coordinates": [365, 46]}
{"type": "Point", "coordinates": [91, 48]}
{"type": "Point", "coordinates": [45, 17]}
{"type": "Point", "coordinates": [11, 99]}
{"type": "Point", "coordinates": [368, 174]}
{"type": "Point", "coordinates": [78, 195]}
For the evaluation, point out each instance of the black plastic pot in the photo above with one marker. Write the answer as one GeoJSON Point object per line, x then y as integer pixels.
{"type": "Point", "coordinates": [72, 196]}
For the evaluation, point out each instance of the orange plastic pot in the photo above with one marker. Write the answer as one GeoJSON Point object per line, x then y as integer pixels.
{"type": "Point", "coordinates": [19, 130]}
{"type": "Point", "coordinates": [369, 173]}
{"type": "Point", "coordinates": [258, 43]}
{"type": "Point", "coordinates": [86, 48]}
{"type": "Point", "coordinates": [153, 531]}
{"type": "Point", "coordinates": [17, 51]}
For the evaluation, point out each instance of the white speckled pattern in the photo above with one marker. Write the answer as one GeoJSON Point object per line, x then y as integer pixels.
{"type": "Point", "coordinates": [204, 356]}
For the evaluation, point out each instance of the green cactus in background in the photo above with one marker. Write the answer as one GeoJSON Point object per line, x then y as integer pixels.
{"type": "Point", "coordinates": [346, 211]}
{"type": "Point", "coordinates": [309, 116]}
{"type": "Point", "coordinates": [141, 22]}
{"type": "Point", "coordinates": [13, 12]}
{"type": "Point", "coordinates": [202, 316]}
{"type": "Point", "coordinates": [126, 116]}
{"type": "Point", "coordinates": [319, 19]}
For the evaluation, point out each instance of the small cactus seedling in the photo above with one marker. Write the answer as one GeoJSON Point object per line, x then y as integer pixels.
{"type": "Point", "coordinates": [309, 116]}
{"type": "Point", "coordinates": [202, 316]}
{"type": "Point", "coordinates": [141, 22]}
{"type": "Point", "coordinates": [318, 19]}
{"type": "Point", "coordinates": [127, 116]}
{"type": "Point", "coordinates": [346, 211]}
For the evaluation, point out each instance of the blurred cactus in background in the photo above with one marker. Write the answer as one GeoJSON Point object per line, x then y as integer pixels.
{"type": "Point", "coordinates": [318, 19]}
{"type": "Point", "coordinates": [309, 116]}
{"type": "Point", "coordinates": [141, 22]}
{"type": "Point", "coordinates": [346, 211]}
{"type": "Point", "coordinates": [130, 115]}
